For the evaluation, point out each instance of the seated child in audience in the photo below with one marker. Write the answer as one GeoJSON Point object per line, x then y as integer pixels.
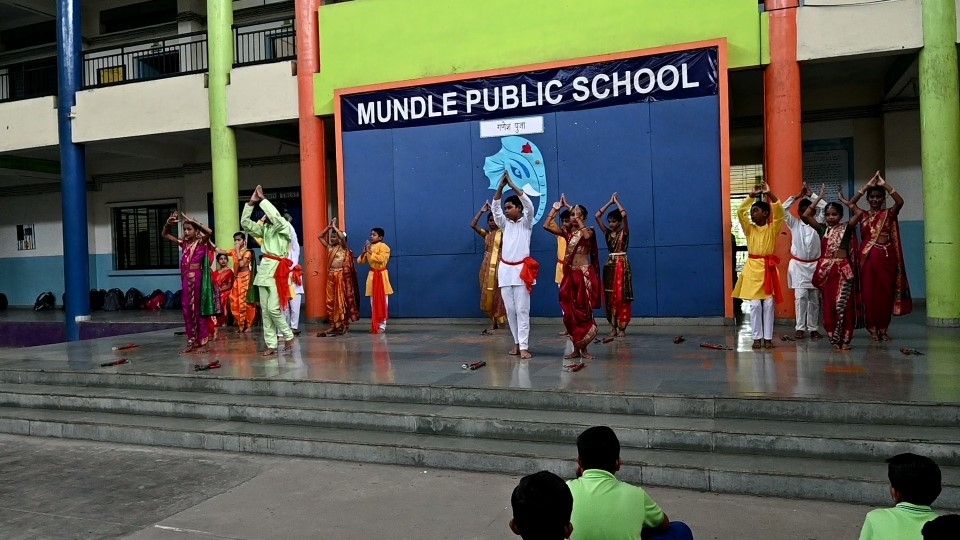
{"type": "Point", "coordinates": [914, 485]}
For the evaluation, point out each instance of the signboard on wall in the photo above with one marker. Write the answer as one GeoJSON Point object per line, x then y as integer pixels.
{"type": "Point", "coordinates": [287, 200]}
{"type": "Point", "coordinates": [659, 77]}
{"type": "Point", "coordinates": [829, 162]}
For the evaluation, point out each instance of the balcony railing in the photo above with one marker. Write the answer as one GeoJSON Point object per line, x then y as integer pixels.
{"type": "Point", "coordinates": [263, 42]}
{"type": "Point", "coordinates": [17, 82]}
{"type": "Point", "coordinates": [182, 54]}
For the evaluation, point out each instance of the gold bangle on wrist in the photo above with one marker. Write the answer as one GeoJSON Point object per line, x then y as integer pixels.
{"type": "Point", "coordinates": [892, 191]}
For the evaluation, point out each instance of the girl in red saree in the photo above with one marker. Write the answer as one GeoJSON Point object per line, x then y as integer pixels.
{"type": "Point", "coordinates": [580, 289]}
{"type": "Point", "coordinates": [617, 277]}
{"type": "Point", "coordinates": [223, 281]}
{"type": "Point", "coordinates": [491, 301]}
{"type": "Point", "coordinates": [836, 273]}
{"type": "Point", "coordinates": [882, 272]}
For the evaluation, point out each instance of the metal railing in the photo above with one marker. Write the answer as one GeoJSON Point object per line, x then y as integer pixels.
{"type": "Point", "coordinates": [17, 82]}
{"type": "Point", "coordinates": [264, 42]}
{"type": "Point", "coordinates": [182, 54]}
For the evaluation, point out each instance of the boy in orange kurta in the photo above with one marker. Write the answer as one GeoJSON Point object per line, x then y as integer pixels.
{"type": "Point", "coordinates": [759, 283]}
{"type": "Point", "coordinates": [377, 254]}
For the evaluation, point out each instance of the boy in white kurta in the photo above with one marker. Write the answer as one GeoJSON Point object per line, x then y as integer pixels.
{"type": "Point", "coordinates": [804, 253]}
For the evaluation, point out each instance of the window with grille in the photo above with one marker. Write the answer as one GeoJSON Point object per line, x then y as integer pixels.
{"type": "Point", "coordinates": [742, 180]}
{"type": "Point", "coordinates": [137, 241]}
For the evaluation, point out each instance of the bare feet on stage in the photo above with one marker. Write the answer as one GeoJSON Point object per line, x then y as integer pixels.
{"type": "Point", "coordinates": [816, 335]}
{"type": "Point", "coordinates": [190, 348]}
{"type": "Point", "coordinates": [622, 333]}
{"type": "Point", "coordinates": [800, 334]}
{"type": "Point", "coordinates": [756, 344]}
{"type": "Point", "coordinates": [585, 355]}
{"type": "Point", "coordinates": [488, 331]}
{"type": "Point", "coordinates": [884, 335]}
{"type": "Point", "coordinates": [287, 345]}
{"type": "Point", "coordinates": [525, 355]}
{"type": "Point", "coordinates": [515, 351]}
{"type": "Point", "coordinates": [564, 333]}
{"type": "Point", "coordinates": [248, 330]}
{"type": "Point", "coordinates": [270, 351]}
{"type": "Point", "coordinates": [768, 344]}
{"type": "Point", "coordinates": [873, 334]}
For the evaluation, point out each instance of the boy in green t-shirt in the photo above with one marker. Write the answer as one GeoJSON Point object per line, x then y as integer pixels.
{"type": "Point", "coordinates": [914, 485]}
{"type": "Point", "coordinates": [604, 508]}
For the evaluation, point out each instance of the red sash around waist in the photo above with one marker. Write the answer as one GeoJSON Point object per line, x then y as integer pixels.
{"type": "Point", "coordinates": [771, 281]}
{"type": "Point", "coordinates": [529, 272]}
{"type": "Point", "coordinates": [282, 277]}
{"type": "Point", "coordinates": [798, 259]}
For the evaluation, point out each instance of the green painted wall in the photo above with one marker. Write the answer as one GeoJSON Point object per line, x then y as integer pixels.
{"type": "Point", "coordinates": [374, 41]}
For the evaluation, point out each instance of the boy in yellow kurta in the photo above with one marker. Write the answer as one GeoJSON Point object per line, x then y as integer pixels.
{"type": "Point", "coordinates": [377, 254]}
{"type": "Point", "coordinates": [759, 283]}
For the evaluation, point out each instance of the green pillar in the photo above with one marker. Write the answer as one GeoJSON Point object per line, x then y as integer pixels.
{"type": "Point", "coordinates": [223, 142]}
{"type": "Point", "coordinates": [940, 158]}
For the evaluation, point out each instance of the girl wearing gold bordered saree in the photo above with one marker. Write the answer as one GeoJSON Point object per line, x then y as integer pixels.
{"type": "Point", "coordinates": [491, 301]}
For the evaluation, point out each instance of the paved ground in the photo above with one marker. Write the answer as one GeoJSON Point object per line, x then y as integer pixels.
{"type": "Point", "coordinates": [55, 489]}
{"type": "Point", "coordinates": [646, 361]}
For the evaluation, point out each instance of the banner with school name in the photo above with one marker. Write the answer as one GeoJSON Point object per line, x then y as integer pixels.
{"type": "Point", "coordinates": [657, 77]}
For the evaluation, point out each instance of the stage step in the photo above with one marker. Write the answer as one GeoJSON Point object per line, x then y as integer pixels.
{"type": "Point", "coordinates": [801, 448]}
{"type": "Point", "coordinates": [758, 408]}
{"type": "Point", "coordinates": [778, 476]}
{"type": "Point", "coordinates": [845, 441]}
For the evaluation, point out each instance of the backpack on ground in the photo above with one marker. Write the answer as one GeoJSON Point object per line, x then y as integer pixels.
{"type": "Point", "coordinates": [3, 302]}
{"type": "Point", "coordinates": [176, 302]}
{"type": "Point", "coordinates": [133, 299]}
{"type": "Point", "coordinates": [97, 298]}
{"type": "Point", "coordinates": [168, 303]}
{"type": "Point", "coordinates": [45, 302]}
{"type": "Point", "coordinates": [113, 300]}
{"type": "Point", "coordinates": [63, 302]}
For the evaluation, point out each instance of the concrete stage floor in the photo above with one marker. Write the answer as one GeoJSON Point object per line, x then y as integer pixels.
{"type": "Point", "coordinates": [645, 362]}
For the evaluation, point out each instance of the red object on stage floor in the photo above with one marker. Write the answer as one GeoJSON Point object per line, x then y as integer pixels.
{"type": "Point", "coordinates": [119, 362]}
{"type": "Point", "coordinates": [715, 346]}
{"type": "Point", "coordinates": [128, 346]}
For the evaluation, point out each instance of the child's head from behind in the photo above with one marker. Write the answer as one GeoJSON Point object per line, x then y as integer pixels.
{"type": "Point", "coordinates": [542, 504]}
{"type": "Point", "coordinates": [942, 528]}
{"type": "Point", "coordinates": [598, 448]}
{"type": "Point", "coordinates": [913, 479]}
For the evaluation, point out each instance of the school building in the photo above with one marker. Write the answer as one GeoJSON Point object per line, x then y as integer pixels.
{"type": "Point", "coordinates": [402, 114]}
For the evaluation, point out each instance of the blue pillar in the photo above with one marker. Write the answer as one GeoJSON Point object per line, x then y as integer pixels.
{"type": "Point", "coordinates": [76, 270]}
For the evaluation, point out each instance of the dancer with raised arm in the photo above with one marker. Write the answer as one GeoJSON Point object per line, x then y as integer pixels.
{"type": "Point", "coordinates": [491, 302]}
{"type": "Point", "coordinates": [883, 274]}
{"type": "Point", "coordinates": [617, 277]}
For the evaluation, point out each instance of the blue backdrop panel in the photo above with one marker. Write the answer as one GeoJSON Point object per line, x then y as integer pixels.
{"type": "Point", "coordinates": [547, 143]}
{"type": "Point", "coordinates": [434, 197]}
{"type": "Point", "coordinates": [607, 150]}
{"type": "Point", "coordinates": [691, 281]}
{"type": "Point", "coordinates": [685, 138]}
{"type": "Point", "coordinates": [643, 263]}
{"type": "Point", "coordinates": [368, 185]}
{"type": "Point", "coordinates": [438, 286]}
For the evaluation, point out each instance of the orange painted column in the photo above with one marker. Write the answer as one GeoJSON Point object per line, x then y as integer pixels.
{"type": "Point", "coordinates": [783, 136]}
{"type": "Point", "coordinates": [313, 170]}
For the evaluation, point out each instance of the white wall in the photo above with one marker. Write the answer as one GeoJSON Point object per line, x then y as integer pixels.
{"type": "Point", "coordinates": [833, 28]}
{"type": "Point", "coordinates": [43, 212]}
{"type": "Point", "coordinates": [29, 123]}
{"type": "Point", "coordinates": [262, 93]}
{"type": "Point", "coordinates": [902, 150]}
{"type": "Point", "coordinates": [145, 108]}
